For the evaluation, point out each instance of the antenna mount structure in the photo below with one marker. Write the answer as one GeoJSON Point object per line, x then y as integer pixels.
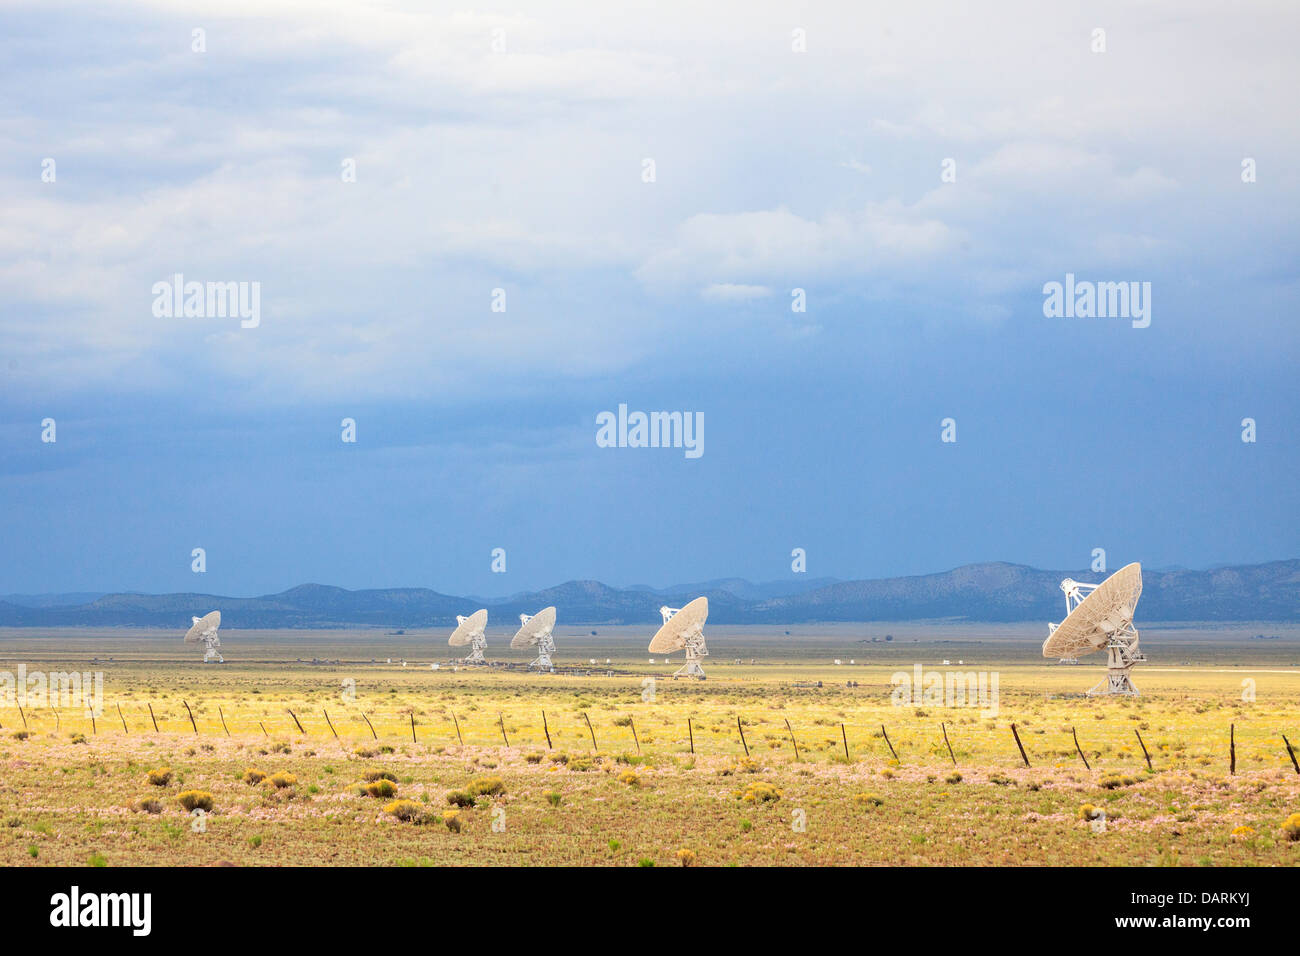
{"type": "Point", "coordinates": [1097, 616]}
{"type": "Point", "coordinates": [535, 630]}
{"type": "Point", "coordinates": [203, 630]}
{"type": "Point", "coordinates": [683, 629]}
{"type": "Point", "coordinates": [471, 631]}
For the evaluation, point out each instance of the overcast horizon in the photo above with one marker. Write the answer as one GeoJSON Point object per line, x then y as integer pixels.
{"type": "Point", "coordinates": [458, 241]}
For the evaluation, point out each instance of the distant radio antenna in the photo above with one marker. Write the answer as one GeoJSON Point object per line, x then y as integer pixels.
{"type": "Point", "coordinates": [535, 631]}
{"type": "Point", "coordinates": [204, 631]}
{"type": "Point", "coordinates": [683, 629]}
{"type": "Point", "coordinates": [1097, 616]}
{"type": "Point", "coordinates": [471, 630]}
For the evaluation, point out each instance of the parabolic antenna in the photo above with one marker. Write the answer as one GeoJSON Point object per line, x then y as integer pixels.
{"type": "Point", "coordinates": [535, 631]}
{"type": "Point", "coordinates": [683, 629]}
{"type": "Point", "coordinates": [472, 631]}
{"type": "Point", "coordinates": [204, 631]}
{"type": "Point", "coordinates": [1097, 616]}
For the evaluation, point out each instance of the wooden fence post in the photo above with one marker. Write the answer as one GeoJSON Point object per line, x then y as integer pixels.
{"type": "Point", "coordinates": [592, 732]}
{"type": "Point", "coordinates": [742, 735]}
{"type": "Point", "coordinates": [888, 744]}
{"type": "Point", "coordinates": [1144, 747]}
{"type": "Point", "coordinates": [632, 723]}
{"type": "Point", "coordinates": [1291, 753]}
{"type": "Point", "coordinates": [119, 713]}
{"type": "Point", "coordinates": [1080, 749]}
{"type": "Point", "coordinates": [546, 730]}
{"type": "Point", "coordinates": [371, 726]}
{"type": "Point", "coordinates": [845, 736]}
{"type": "Point", "coordinates": [153, 718]}
{"type": "Point", "coordinates": [296, 721]}
{"type": "Point", "coordinates": [191, 713]}
{"type": "Point", "coordinates": [945, 740]}
{"type": "Point", "coordinates": [327, 720]}
{"type": "Point", "coordinates": [457, 723]}
{"type": "Point", "coordinates": [502, 721]}
{"type": "Point", "coordinates": [792, 739]}
{"type": "Point", "coordinates": [1232, 748]}
{"type": "Point", "coordinates": [222, 715]}
{"type": "Point", "coordinates": [690, 731]}
{"type": "Point", "coordinates": [1020, 745]}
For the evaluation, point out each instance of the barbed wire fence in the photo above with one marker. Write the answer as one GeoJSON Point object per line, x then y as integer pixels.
{"type": "Point", "coordinates": [911, 742]}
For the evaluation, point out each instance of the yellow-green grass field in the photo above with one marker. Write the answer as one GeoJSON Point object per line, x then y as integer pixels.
{"type": "Point", "coordinates": [323, 714]}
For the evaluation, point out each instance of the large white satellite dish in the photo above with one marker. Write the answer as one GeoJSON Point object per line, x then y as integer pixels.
{"type": "Point", "coordinates": [204, 631]}
{"type": "Point", "coordinates": [535, 631]}
{"type": "Point", "coordinates": [471, 630]}
{"type": "Point", "coordinates": [1097, 616]}
{"type": "Point", "coordinates": [683, 629]}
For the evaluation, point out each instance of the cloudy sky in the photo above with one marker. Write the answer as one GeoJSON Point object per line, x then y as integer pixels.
{"type": "Point", "coordinates": [647, 189]}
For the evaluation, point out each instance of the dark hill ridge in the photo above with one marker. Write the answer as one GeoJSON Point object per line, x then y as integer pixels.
{"type": "Point", "coordinates": [994, 591]}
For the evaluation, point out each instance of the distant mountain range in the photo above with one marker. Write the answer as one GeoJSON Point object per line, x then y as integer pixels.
{"type": "Point", "coordinates": [990, 592]}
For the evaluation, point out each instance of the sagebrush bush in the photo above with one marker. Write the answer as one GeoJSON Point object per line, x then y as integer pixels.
{"type": "Point", "coordinates": [868, 799]}
{"type": "Point", "coordinates": [192, 799]}
{"type": "Point", "coordinates": [460, 798]}
{"type": "Point", "coordinates": [253, 777]}
{"type": "Point", "coordinates": [282, 779]}
{"type": "Point", "coordinates": [759, 791]}
{"type": "Point", "coordinates": [486, 786]}
{"type": "Point", "coordinates": [382, 788]}
{"type": "Point", "coordinates": [1291, 827]}
{"type": "Point", "coordinates": [370, 776]}
{"type": "Point", "coordinates": [408, 811]}
{"type": "Point", "coordinates": [630, 778]}
{"type": "Point", "coordinates": [686, 857]}
{"type": "Point", "coordinates": [149, 806]}
{"type": "Point", "coordinates": [160, 777]}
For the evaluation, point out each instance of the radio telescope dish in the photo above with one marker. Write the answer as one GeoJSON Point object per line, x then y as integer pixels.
{"type": "Point", "coordinates": [471, 631]}
{"type": "Point", "coordinates": [535, 631]}
{"type": "Point", "coordinates": [683, 629]}
{"type": "Point", "coordinates": [204, 631]}
{"type": "Point", "coordinates": [1097, 616]}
